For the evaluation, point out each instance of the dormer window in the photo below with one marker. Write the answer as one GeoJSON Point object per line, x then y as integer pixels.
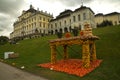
{"type": "Point", "coordinates": [84, 16]}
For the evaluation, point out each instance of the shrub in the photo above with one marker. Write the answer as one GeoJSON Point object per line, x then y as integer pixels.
{"type": "Point", "coordinates": [3, 40]}
{"type": "Point", "coordinates": [75, 31]}
{"type": "Point", "coordinates": [59, 34]}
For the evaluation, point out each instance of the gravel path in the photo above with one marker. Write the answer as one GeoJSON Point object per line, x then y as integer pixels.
{"type": "Point", "coordinates": [8, 72]}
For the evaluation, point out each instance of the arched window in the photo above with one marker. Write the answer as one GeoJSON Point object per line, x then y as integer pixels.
{"type": "Point", "coordinates": [56, 31]}
{"type": "Point", "coordinates": [84, 16]}
{"type": "Point", "coordinates": [65, 29]}
{"type": "Point", "coordinates": [52, 32]}
{"type": "Point", "coordinates": [74, 19]}
{"type": "Point", "coordinates": [70, 29]}
{"type": "Point", "coordinates": [79, 17]}
{"type": "Point", "coordinates": [61, 31]}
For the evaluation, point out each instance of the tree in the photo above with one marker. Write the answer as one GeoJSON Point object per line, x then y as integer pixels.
{"type": "Point", "coordinates": [59, 34]}
{"type": "Point", "coordinates": [105, 23]}
{"type": "Point", "coordinates": [3, 40]}
{"type": "Point", "coordinates": [75, 31]}
{"type": "Point", "coordinates": [65, 29]}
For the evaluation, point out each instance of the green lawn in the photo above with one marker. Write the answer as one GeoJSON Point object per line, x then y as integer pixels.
{"type": "Point", "coordinates": [36, 51]}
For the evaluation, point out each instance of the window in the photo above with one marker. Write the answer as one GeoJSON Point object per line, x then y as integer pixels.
{"type": "Point", "coordinates": [32, 24]}
{"type": "Point", "coordinates": [32, 19]}
{"type": "Point", "coordinates": [40, 24]}
{"type": "Point", "coordinates": [35, 18]}
{"type": "Point", "coordinates": [27, 27]}
{"type": "Point", "coordinates": [79, 17]}
{"type": "Point", "coordinates": [43, 19]}
{"type": "Point", "coordinates": [44, 25]}
{"type": "Point", "coordinates": [70, 21]}
{"type": "Point", "coordinates": [84, 16]}
{"type": "Point", "coordinates": [40, 30]}
{"type": "Point", "coordinates": [74, 19]}
{"type": "Point", "coordinates": [56, 25]}
{"type": "Point", "coordinates": [90, 15]}
{"type": "Point", "coordinates": [115, 22]}
{"type": "Point", "coordinates": [51, 26]}
{"type": "Point", "coordinates": [44, 31]}
{"type": "Point", "coordinates": [60, 24]}
{"type": "Point", "coordinates": [79, 26]}
{"type": "Point", "coordinates": [65, 22]}
{"type": "Point", "coordinates": [48, 25]}
{"type": "Point", "coordinates": [29, 20]}
{"type": "Point", "coordinates": [40, 18]}
{"type": "Point", "coordinates": [35, 24]}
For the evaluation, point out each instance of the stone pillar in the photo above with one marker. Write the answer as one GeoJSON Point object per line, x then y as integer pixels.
{"type": "Point", "coordinates": [53, 54]}
{"type": "Point", "coordinates": [85, 54]}
{"type": "Point", "coordinates": [65, 55]}
{"type": "Point", "coordinates": [93, 51]}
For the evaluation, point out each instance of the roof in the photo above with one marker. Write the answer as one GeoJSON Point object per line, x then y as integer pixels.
{"type": "Point", "coordinates": [113, 13]}
{"type": "Point", "coordinates": [110, 14]}
{"type": "Point", "coordinates": [32, 10]}
{"type": "Point", "coordinates": [64, 14]}
{"type": "Point", "coordinates": [68, 11]}
{"type": "Point", "coordinates": [99, 14]}
{"type": "Point", "coordinates": [82, 8]}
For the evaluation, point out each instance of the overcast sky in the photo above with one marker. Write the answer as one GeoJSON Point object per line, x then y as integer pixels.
{"type": "Point", "coordinates": [11, 9]}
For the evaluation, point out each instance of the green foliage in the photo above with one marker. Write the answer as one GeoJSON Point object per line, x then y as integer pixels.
{"type": "Point", "coordinates": [105, 23]}
{"type": "Point", "coordinates": [3, 40]}
{"type": "Point", "coordinates": [59, 34]}
{"type": "Point", "coordinates": [37, 51]}
{"type": "Point", "coordinates": [75, 31]}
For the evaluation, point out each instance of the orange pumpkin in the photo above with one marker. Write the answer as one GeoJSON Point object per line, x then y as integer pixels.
{"type": "Point", "coordinates": [81, 33]}
{"type": "Point", "coordinates": [67, 35]}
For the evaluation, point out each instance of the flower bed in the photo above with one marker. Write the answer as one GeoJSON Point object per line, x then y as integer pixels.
{"type": "Point", "coordinates": [72, 66]}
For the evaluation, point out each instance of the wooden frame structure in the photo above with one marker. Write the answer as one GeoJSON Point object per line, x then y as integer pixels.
{"type": "Point", "coordinates": [88, 48]}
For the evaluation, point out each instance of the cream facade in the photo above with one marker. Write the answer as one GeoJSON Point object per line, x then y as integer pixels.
{"type": "Point", "coordinates": [61, 22]}
{"type": "Point", "coordinates": [113, 17]}
{"type": "Point", "coordinates": [99, 18]}
{"type": "Point", "coordinates": [72, 19]}
{"type": "Point", "coordinates": [31, 22]}
{"type": "Point", "coordinates": [34, 22]}
{"type": "Point", "coordinates": [82, 15]}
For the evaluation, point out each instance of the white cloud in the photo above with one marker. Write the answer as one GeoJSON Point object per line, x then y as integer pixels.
{"type": "Point", "coordinates": [11, 9]}
{"type": "Point", "coordinates": [106, 6]}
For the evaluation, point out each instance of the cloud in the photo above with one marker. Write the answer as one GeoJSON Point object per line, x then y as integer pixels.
{"type": "Point", "coordinates": [5, 21]}
{"type": "Point", "coordinates": [10, 6]}
{"type": "Point", "coordinates": [70, 3]}
{"type": "Point", "coordinates": [105, 6]}
{"type": "Point", "coordinates": [74, 2]}
{"type": "Point", "coordinates": [9, 11]}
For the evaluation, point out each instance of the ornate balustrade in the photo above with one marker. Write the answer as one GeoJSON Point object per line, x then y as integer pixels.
{"type": "Point", "coordinates": [88, 48]}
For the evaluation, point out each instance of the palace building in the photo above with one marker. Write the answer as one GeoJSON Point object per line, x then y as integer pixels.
{"type": "Point", "coordinates": [36, 23]}
{"type": "Point", "coordinates": [68, 20]}
{"type": "Point", "coordinates": [113, 17]}
{"type": "Point", "coordinates": [31, 22]}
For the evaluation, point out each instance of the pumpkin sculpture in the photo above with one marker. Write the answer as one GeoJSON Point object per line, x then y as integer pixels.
{"type": "Point", "coordinates": [87, 30]}
{"type": "Point", "coordinates": [75, 66]}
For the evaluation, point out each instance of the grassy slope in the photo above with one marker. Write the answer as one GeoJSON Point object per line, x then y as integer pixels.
{"type": "Point", "coordinates": [35, 51]}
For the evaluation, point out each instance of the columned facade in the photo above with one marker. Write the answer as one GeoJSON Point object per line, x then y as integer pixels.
{"type": "Point", "coordinates": [113, 17]}
{"type": "Point", "coordinates": [30, 23]}
{"type": "Point", "coordinates": [68, 20]}
{"type": "Point", "coordinates": [36, 23]}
